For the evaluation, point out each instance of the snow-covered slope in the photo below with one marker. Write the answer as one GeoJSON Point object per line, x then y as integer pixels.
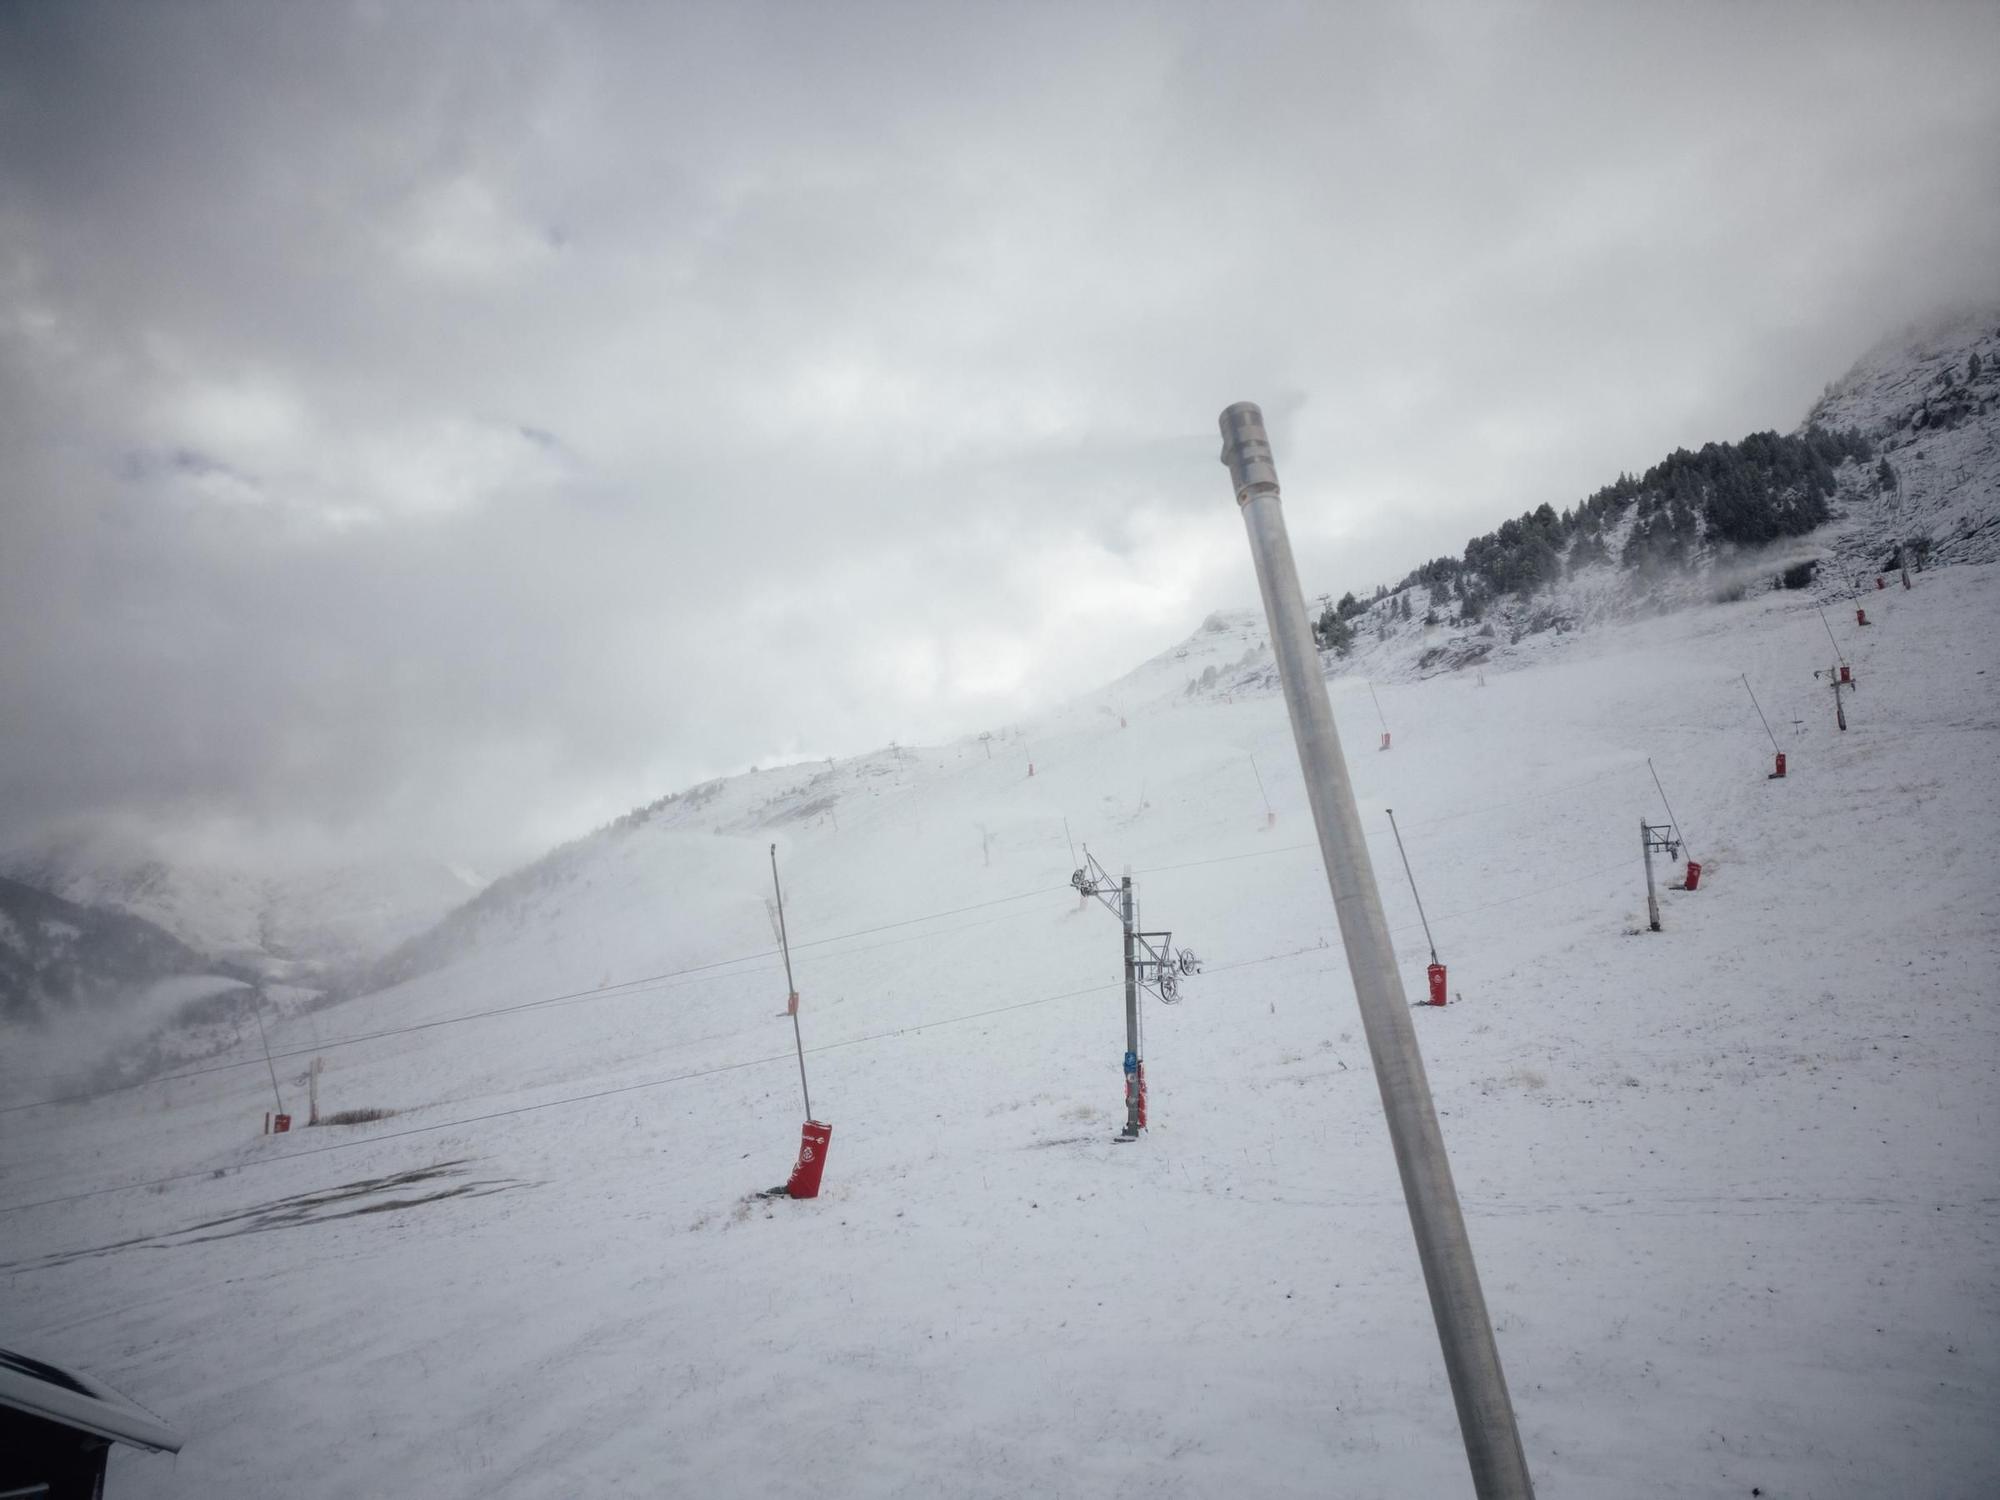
{"type": "Point", "coordinates": [1731, 1185]}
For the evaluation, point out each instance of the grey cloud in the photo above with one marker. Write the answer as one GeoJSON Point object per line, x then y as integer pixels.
{"type": "Point", "coordinates": [443, 423]}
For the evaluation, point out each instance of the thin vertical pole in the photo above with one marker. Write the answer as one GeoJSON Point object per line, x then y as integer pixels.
{"type": "Point", "coordinates": [1839, 655]}
{"type": "Point", "coordinates": [1646, 853]}
{"type": "Point", "coordinates": [1413, 883]}
{"type": "Point", "coordinates": [257, 1009]}
{"type": "Point", "coordinates": [1465, 1333]}
{"type": "Point", "coordinates": [1760, 710]}
{"type": "Point", "coordinates": [1378, 709]}
{"type": "Point", "coordinates": [1260, 788]}
{"type": "Point", "coordinates": [1670, 810]}
{"type": "Point", "coordinates": [1131, 1010]}
{"type": "Point", "coordinates": [792, 996]}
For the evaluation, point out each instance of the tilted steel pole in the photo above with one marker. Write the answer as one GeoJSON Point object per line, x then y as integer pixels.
{"type": "Point", "coordinates": [1471, 1358]}
{"type": "Point", "coordinates": [1429, 941]}
{"type": "Point", "coordinates": [792, 998]}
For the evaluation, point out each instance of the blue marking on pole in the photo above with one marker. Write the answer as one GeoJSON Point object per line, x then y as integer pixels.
{"type": "Point", "coordinates": [1131, 1062]}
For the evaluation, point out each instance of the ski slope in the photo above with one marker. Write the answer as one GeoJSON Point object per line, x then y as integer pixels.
{"type": "Point", "coordinates": [1731, 1186]}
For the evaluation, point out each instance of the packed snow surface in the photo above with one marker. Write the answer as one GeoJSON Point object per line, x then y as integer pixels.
{"type": "Point", "coordinates": [1731, 1186]}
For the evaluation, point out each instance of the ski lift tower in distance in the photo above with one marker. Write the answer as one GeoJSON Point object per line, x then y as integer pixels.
{"type": "Point", "coordinates": [1152, 963]}
{"type": "Point", "coordinates": [1661, 837]}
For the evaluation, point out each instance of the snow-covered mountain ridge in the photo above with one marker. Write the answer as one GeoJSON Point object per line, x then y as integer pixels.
{"type": "Point", "coordinates": [1928, 401]}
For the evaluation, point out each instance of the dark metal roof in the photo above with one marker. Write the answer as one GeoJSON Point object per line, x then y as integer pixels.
{"type": "Point", "coordinates": [75, 1400]}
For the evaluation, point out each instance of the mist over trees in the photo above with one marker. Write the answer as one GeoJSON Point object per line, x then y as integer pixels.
{"type": "Point", "coordinates": [1741, 494]}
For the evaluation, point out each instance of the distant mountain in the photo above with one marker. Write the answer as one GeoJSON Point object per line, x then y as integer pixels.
{"type": "Point", "coordinates": [57, 957]}
{"type": "Point", "coordinates": [1929, 402]}
{"type": "Point", "coordinates": [297, 926]}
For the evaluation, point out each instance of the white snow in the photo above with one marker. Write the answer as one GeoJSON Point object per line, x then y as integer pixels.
{"type": "Point", "coordinates": [1731, 1186]}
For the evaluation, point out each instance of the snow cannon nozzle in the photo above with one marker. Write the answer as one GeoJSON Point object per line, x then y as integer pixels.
{"type": "Point", "coordinates": [1246, 450]}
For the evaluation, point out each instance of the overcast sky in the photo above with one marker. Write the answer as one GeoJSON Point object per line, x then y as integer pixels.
{"type": "Point", "coordinates": [457, 424]}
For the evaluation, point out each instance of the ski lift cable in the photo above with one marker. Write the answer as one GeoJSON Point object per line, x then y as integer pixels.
{"type": "Point", "coordinates": [627, 987]}
{"type": "Point", "coordinates": [568, 1099]}
{"type": "Point", "coordinates": [622, 989]}
{"type": "Point", "coordinates": [698, 1073]}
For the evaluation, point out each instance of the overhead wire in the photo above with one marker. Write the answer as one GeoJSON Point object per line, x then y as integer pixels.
{"type": "Point", "coordinates": [626, 988]}
{"type": "Point", "coordinates": [621, 989]}
{"type": "Point", "coordinates": [709, 1072]}
{"type": "Point", "coordinates": [544, 1104]}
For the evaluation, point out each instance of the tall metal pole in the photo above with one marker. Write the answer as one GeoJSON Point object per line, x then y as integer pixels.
{"type": "Point", "coordinates": [1131, 1011]}
{"type": "Point", "coordinates": [792, 990]}
{"type": "Point", "coordinates": [1413, 883]}
{"type": "Point", "coordinates": [1646, 853]}
{"type": "Point", "coordinates": [1465, 1333]}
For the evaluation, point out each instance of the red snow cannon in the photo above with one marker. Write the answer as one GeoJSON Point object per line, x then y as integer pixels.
{"type": "Point", "coordinates": [1845, 674]}
{"type": "Point", "coordinates": [804, 1181]}
{"type": "Point", "coordinates": [1694, 877]}
{"type": "Point", "coordinates": [1385, 739]}
{"type": "Point", "coordinates": [1861, 617]}
{"type": "Point", "coordinates": [1436, 973]}
{"type": "Point", "coordinates": [1779, 774]}
{"type": "Point", "coordinates": [1879, 583]}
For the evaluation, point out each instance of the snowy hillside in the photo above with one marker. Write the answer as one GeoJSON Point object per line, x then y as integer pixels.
{"type": "Point", "coordinates": [1730, 1185]}
{"type": "Point", "coordinates": [299, 923]}
{"type": "Point", "coordinates": [1930, 401]}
